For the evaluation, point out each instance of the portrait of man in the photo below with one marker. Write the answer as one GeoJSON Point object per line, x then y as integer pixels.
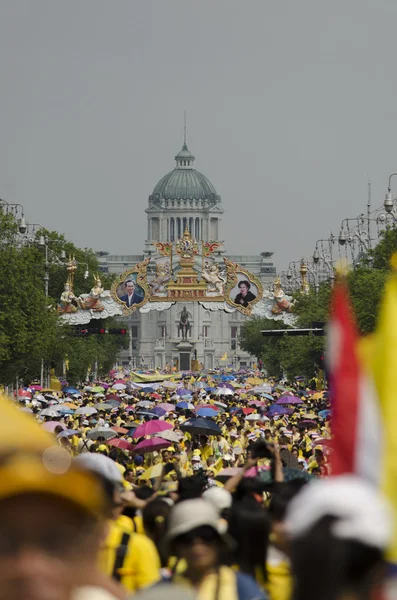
{"type": "Point", "coordinates": [244, 297]}
{"type": "Point", "coordinates": [130, 297]}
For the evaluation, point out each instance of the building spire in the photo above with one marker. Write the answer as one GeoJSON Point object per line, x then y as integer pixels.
{"type": "Point", "coordinates": [184, 130]}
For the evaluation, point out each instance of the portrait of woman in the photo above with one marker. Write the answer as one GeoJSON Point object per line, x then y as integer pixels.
{"type": "Point", "coordinates": [244, 296]}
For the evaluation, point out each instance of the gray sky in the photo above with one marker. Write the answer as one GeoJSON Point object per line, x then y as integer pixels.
{"type": "Point", "coordinates": [290, 106]}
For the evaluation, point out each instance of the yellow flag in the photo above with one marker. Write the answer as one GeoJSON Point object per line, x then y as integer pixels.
{"type": "Point", "coordinates": [192, 379]}
{"type": "Point", "coordinates": [224, 357]}
{"type": "Point", "coordinates": [385, 375]}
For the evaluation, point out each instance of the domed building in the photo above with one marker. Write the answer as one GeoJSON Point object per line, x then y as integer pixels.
{"type": "Point", "coordinates": [185, 199]}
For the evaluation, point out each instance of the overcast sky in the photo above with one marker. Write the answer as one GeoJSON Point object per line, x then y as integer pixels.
{"type": "Point", "coordinates": [291, 106]}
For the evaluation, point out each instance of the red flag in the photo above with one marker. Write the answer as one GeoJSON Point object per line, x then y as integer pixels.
{"type": "Point", "coordinates": [345, 381]}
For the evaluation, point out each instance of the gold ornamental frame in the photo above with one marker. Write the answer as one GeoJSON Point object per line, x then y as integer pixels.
{"type": "Point", "coordinates": [140, 270]}
{"type": "Point", "coordinates": [232, 270]}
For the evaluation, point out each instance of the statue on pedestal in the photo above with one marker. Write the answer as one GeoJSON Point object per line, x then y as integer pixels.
{"type": "Point", "coordinates": [184, 324]}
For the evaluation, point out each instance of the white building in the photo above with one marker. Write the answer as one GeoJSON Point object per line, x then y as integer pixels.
{"type": "Point", "coordinates": [185, 198]}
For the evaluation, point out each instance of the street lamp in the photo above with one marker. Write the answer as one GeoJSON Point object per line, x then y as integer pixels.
{"type": "Point", "coordinates": [389, 203]}
{"type": "Point", "coordinates": [13, 207]}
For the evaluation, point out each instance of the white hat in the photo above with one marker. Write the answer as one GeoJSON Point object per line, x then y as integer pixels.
{"type": "Point", "coordinates": [219, 497]}
{"type": "Point", "coordinates": [195, 457]}
{"type": "Point", "coordinates": [190, 514]}
{"type": "Point", "coordinates": [100, 464]}
{"type": "Point", "coordinates": [227, 457]}
{"type": "Point", "coordinates": [362, 514]}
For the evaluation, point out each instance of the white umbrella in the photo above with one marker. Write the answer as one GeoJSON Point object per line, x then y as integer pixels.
{"type": "Point", "coordinates": [171, 436]}
{"type": "Point", "coordinates": [224, 392]}
{"type": "Point", "coordinates": [104, 432]}
{"type": "Point", "coordinates": [145, 404]}
{"type": "Point", "coordinates": [39, 397]}
{"type": "Point", "coordinates": [49, 412]}
{"type": "Point", "coordinates": [86, 410]}
{"type": "Point", "coordinates": [119, 386]}
{"type": "Point", "coordinates": [256, 417]}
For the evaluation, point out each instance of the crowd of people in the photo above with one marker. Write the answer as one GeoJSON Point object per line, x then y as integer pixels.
{"type": "Point", "coordinates": [216, 486]}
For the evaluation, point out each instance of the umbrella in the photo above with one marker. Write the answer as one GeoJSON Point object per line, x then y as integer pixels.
{"type": "Point", "coordinates": [98, 432]}
{"type": "Point", "coordinates": [152, 445]}
{"type": "Point", "coordinates": [153, 472]}
{"type": "Point", "coordinates": [120, 443]}
{"type": "Point", "coordinates": [185, 405]}
{"type": "Point", "coordinates": [86, 410]}
{"type": "Point", "coordinates": [104, 406]}
{"type": "Point", "coordinates": [67, 433]}
{"type": "Point", "coordinates": [98, 389]}
{"type": "Point", "coordinates": [24, 394]}
{"type": "Point", "coordinates": [199, 425]}
{"type": "Point", "coordinates": [50, 426]}
{"type": "Point", "coordinates": [170, 435]}
{"type": "Point", "coordinates": [226, 386]}
{"type": "Point", "coordinates": [255, 403]}
{"type": "Point", "coordinates": [70, 390]}
{"type": "Point", "coordinates": [26, 409]}
{"type": "Point", "coordinates": [49, 412]}
{"type": "Point", "coordinates": [254, 381]}
{"type": "Point", "coordinates": [117, 381]}
{"type": "Point", "coordinates": [65, 410]}
{"type": "Point", "coordinates": [248, 411]}
{"type": "Point", "coordinates": [325, 413]}
{"type": "Point", "coordinates": [146, 413]}
{"type": "Point", "coordinates": [156, 396]}
{"type": "Point", "coordinates": [183, 392]}
{"type": "Point", "coordinates": [112, 397]}
{"type": "Point", "coordinates": [277, 410]}
{"type": "Point", "coordinates": [36, 387]}
{"type": "Point", "coordinates": [289, 475]}
{"type": "Point", "coordinates": [225, 474]}
{"type": "Point", "coordinates": [160, 412]}
{"type": "Point", "coordinates": [150, 428]}
{"type": "Point", "coordinates": [167, 406]}
{"type": "Point", "coordinates": [119, 386]}
{"type": "Point", "coordinates": [255, 417]}
{"type": "Point", "coordinates": [145, 404]}
{"type": "Point", "coordinates": [323, 442]}
{"type": "Point", "coordinates": [223, 392]}
{"type": "Point", "coordinates": [206, 412]}
{"type": "Point", "coordinates": [289, 400]}
{"type": "Point", "coordinates": [307, 423]}
{"type": "Point", "coordinates": [121, 430]}
{"type": "Point", "coordinates": [220, 404]}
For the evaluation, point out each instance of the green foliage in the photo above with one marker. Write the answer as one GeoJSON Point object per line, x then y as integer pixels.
{"type": "Point", "coordinates": [366, 289]}
{"type": "Point", "coordinates": [384, 250]}
{"type": "Point", "coordinates": [30, 329]}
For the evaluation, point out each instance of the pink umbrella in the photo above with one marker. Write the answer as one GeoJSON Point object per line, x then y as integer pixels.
{"type": "Point", "coordinates": [24, 394]}
{"type": "Point", "coordinates": [151, 445]}
{"type": "Point", "coordinates": [36, 387]}
{"type": "Point", "coordinates": [150, 428]}
{"type": "Point", "coordinates": [119, 381]}
{"type": "Point", "coordinates": [119, 443]}
{"type": "Point", "coordinates": [50, 426]}
{"type": "Point", "coordinates": [167, 407]}
{"type": "Point", "coordinates": [256, 403]}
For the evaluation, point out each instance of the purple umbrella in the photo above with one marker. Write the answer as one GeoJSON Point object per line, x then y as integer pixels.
{"type": "Point", "coordinates": [159, 411]}
{"type": "Point", "coordinates": [207, 412]}
{"type": "Point", "coordinates": [225, 385]}
{"type": "Point", "coordinates": [151, 445]}
{"type": "Point", "coordinates": [150, 428]}
{"type": "Point", "coordinates": [50, 425]}
{"type": "Point", "coordinates": [183, 392]}
{"type": "Point", "coordinates": [277, 410]}
{"type": "Point", "coordinates": [289, 400]}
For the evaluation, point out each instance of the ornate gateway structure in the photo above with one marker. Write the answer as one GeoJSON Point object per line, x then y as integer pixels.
{"type": "Point", "coordinates": [182, 299]}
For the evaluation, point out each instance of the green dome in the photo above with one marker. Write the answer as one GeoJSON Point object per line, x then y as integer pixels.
{"type": "Point", "coordinates": [184, 182]}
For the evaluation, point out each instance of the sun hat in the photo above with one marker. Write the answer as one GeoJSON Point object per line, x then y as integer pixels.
{"type": "Point", "coordinates": [362, 514]}
{"type": "Point", "coordinates": [196, 458]}
{"type": "Point", "coordinates": [218, 497]}
{"type": "Point", "coordinates": [190, 514]}
{"type": "Point", "coordinates": [100, 464]}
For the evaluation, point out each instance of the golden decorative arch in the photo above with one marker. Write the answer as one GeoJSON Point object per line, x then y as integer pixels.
{"type": "Point", "coordinates": [137, 274]}
{"type": "Point", "coordinates": [237, 275]}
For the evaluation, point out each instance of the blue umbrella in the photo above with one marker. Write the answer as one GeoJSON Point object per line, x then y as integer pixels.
{"type": "Point", "coordinates": [64, 410]}
{"type": "Point", "coordinates": [206, 412]}
{"type": "Point", "coordinates": [210, 389]}
{"type": "Point", "coordinates": [325, 413]}
{"type": "Point", "coordinates": [159, 411]}
{"type": "Point", "coordinates": [70, 390]}
{"type": "Point", "coordinates": [147, 413]}
{"type": "Point", "coordinates": [228, 378]}
{"type": "Point", "coordinates": [184, 405]}
{"type": "Point", "coordinates": [131, 432]}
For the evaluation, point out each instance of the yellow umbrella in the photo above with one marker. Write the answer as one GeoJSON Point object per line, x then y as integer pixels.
{"type": "Point", "coordinates": [254, 381]}
{"type": "Point", "coordinates": [152, 472]}
{"type": "Point", "coordinates": [317, 396]}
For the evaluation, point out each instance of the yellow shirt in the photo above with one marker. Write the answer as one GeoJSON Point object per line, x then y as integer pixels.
{"type": "Point", "coordinates": [139, 562]}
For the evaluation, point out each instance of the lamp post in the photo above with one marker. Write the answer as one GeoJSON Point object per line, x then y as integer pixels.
{"type": "Point", "coordinates": [15, 209]}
